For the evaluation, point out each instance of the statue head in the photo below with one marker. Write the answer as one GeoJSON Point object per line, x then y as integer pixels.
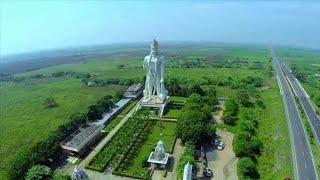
{"type": "Point", "coordinates": [154, 47]}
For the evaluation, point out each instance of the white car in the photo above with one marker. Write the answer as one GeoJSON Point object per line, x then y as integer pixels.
{"type": "Point", "coordinates": [221, 145]}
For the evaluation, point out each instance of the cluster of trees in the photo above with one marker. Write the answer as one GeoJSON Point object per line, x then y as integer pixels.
{"type": "Point", "coordinates": [256, 65]}
{"type": "Point", "coordinates": [247, 81]}
{"type": "Point", "coordinates": [247, 145]}
{"type": "Point", "coordinates": [48, 150]}
{"type": "Point", "coordinates": [203, 62]}
{"type": "Point", "coordinates": [177, 88]}
{"type": "Point", "coordinates": [230, 115]}
{"type": "Point", "coordinates": [300, 74]}
{"type": "Point", "coordinates": [96, 111]}
{"type": "Point", "coordinates": [241, 111]}
{"type": "Point", "coordinates": [92, 81]}
{"type": "Point", "coordinates": [39, 172]}
{"type": "Point", "coordinates": [193, 125]}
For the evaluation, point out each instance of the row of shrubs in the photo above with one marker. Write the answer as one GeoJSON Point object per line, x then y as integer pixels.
{"type": "Point", "coordinates": [243, 112]}
{"type": "Point", "coordinates": [92, 81]}
{"type": "Point", "coordinates": [110, 156]}
{"type": "Point", "coordinates": [178, 87]}
{"type": "Point", "coordinates": [128, 158]}
{"type": "Point", "coordinates": [13, 78]}
{"type": "Point", "coordinates": [48, 150]}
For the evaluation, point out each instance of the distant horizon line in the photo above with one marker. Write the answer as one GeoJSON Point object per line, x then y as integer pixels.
{"type": "Point", "coordinates": [70, 48]}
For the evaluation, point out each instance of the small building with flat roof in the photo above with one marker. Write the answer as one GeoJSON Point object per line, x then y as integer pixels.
{"type": "Point", "coordinates": [134, 91]}
{"type": "Point", "coordinates": [78, 142]}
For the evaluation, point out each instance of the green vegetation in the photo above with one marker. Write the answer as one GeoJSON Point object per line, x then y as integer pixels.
{"type": "Point", "coordinates": [164, 131]}
{"type": "Point", "coordinates": [187, 156]}
{"type": "Point", "coordinates": [25, 122]}
{"type": "Point", "coordinates": [117, 148]}
{"type": "Point", "coordinates": [39, 173]}
{"type": "Point", "coordinates": [193, 125]}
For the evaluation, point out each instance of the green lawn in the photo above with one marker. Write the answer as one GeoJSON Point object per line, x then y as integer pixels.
{"type": "Point", "coordinates": [174, 108]}
{"type": "Point", "coordinates": [164, 131]}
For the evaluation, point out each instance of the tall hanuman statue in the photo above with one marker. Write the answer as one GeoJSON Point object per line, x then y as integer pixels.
{"type": "Point", "coordinates": [155, 90]}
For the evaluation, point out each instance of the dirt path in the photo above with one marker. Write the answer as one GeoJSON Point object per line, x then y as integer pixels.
{"type": "Point", "coordinates": [223, 163]}
{"type": "Point", "coordinates": [217, 115]}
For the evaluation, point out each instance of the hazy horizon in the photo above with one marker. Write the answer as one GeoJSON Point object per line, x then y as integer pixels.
{"type": "Point", "coordinates": [30, 26]}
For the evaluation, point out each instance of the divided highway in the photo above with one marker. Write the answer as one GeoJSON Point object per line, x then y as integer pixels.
{"type": "Point", "coordinates": [305, 102]}
{"type": "Point", "coordinates": [304, 166]}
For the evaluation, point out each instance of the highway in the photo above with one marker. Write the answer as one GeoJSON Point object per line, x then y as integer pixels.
{"type": "Point", "coordinates": [301, 152]}
{"type": "Point", "coordinates": [305, 102]}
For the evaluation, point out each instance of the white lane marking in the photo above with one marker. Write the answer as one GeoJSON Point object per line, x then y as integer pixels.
{"type": "Point", "coordinates": [305, 165]}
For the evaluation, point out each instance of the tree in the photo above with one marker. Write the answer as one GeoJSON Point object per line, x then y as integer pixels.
{"type": "Point", "coordinates": [119, 94]}
{"type": "Point", "coordinates": [94, 112]}
{"type": "Point", "coordinates": [50, 103]}
{"type": "Point", "coordinates": [247, 168]}
{"type": "Point", "coordinates": [196, 88]}
{"type": "Point", "coordinates": [244, 98]}
{"type": "Point", "coordinates": [39, 172]}
{"type": "Point", "coordinates": [231, 112]}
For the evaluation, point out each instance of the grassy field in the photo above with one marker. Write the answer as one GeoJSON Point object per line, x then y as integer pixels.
{"type": "Point", "coordinates": [164, 131]}
{"type": "Point", "coordinates": [25, 121]}
{"type": "Point", "coordinates": [275, 161]}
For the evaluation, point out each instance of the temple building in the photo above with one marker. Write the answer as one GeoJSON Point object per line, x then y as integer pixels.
{"type": "Point", "coordinates": [159, 157]}
{"type": "Point", "coordinates": [155, 94]}
{"type": "Point", "coordinates": [134, 91]}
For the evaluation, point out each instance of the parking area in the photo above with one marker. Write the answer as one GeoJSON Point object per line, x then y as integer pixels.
{"type": "Point", "coordinates": [223, 163]}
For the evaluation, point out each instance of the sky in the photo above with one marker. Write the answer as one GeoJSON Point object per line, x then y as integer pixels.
{"type": "Point", "coordinates": [27, 26]}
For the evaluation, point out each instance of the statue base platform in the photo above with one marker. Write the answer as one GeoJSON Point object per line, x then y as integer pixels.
{"type": "Point", "coordinates": [154, 103]}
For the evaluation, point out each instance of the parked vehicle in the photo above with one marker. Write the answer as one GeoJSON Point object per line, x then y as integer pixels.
{"type": "Point", "coordinates": [207, 172]}
{"type": "Point", "coordinates": [216, 142]}
{"type": "Point", "coordinates": [221, 145]}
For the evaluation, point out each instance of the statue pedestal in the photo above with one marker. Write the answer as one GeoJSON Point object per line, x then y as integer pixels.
{"type": "Point", "coordinates": [154, 102]}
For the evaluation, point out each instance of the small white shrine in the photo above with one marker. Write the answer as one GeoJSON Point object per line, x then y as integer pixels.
{"type": "Point", "coordinates": [187, 171]}
{"type": "Point", "coordinates": [159, 157]}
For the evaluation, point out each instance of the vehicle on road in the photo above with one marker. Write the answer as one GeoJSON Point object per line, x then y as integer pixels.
{"type": "Point", "coordinates": [207, 172]}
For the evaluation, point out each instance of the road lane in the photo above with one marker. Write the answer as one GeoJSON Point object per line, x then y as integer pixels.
{"type": "Point", "coordinates": [302, 156]}
{"type": "Point", "coordinates": [305, 102]}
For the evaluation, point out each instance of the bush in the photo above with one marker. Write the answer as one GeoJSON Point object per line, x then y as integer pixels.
{"type": "Point", "coordinates": [60, 176]}
{"type": "Point", "coordinates": [50, 103]}
{"type": "Point", "coordinates": [231, 112]}
{"type": "Point", "coordinates": [247, 168]}
{"type": "Point", "coordinates": [39, 172]}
